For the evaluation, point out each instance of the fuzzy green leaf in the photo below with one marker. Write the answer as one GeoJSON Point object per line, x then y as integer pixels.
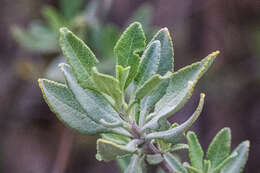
{"type": "Point", "coordinates": [154, 159]}
{"type": "Point", "coordinates": [191, 169]}
{"type": "Point", "coordinates": [177, 147]}
{"type": "Point", "coordinates": [63, 103]}
{"type": "Point", "coordinates": [78, 56]}
{"type": "Point", "coordinates": [107, 150]}
{"type": "Point", "coordinates": [121, 75]}
{"type": "Point", "coordinates": [174, 163]}
{"type": "Point", "coordinates": [116, 138]}
{"type": "Point", "coordinates": [174, 135]}
{"type": "Point", "coordinates": [92, 102]}
{"type": "Point", "coordinates": [238, 163]}
{"type": "Point", "coordinates": [123, 162]}
{"type": "Point", "coordinates": [207, 166]}
{"type": "Point", "coordinates": [135, 165]}
{"type": "Point", "coordinates": [108, 85]}
{"type": "Point", "coordinates": [127, 48]}
{"type": "Point", "coordinates": [149, 63]}
{"type": "Point", "coordinates": [225, 162]}
{"type": "Point", "coordinates": [180, 89]}
{"type": "Point", "coordinates": [219, 148]}
{"type": "Point", "coordinates": [196, 153]}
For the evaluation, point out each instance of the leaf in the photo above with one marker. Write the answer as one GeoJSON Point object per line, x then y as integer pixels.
{"type": "Point", "coordinates": [131, 42]}
{"type": "Point", "coordinates": [149, 86]}
{"type": "Point", "coordinates": [53, 18]}
{"type": "Point", "coordinates": [71, 8]}
{"type": "Point", "coordinates": [237, 165]}
{"type": "Point", "coordinates": [78, 56]}
{"type": "Point", "coordinates": [121, 75]}
{"type": "Point", "coordinates": [174, 163]}
{"type": "Point", "coordinates": [118, 139]}
{"type": "Point", "coordinates": [225, 162]}
{"type": "Point", "coordinates": [154, 159]}
{"type": "Point", "coordinates": [92, 102]}
{"type": "Point", "coordinates": [123, 162]}
{"type": "Point", "coordinates": [107, 150]}
{"type": "Point", "coordinates": [165, 65]}
{"type": "Point", "coordinates": [177, 147]}
{"type": "Point", "coordinates": [149, 63]}
{"type": "Point", "coordinates": [207, 166]}
{"type": "Point", "coordinates": [180, 89]}
{"type": "Point", "coordinates": [108, 85]}
{"type": "Point", "coordinates": [135, 165]}
{"type": "Point", "coordinates": [196, 153]}
{"type": "Point", "coordinates": [191, 169]}
{"type": "Point", "coordinates": [173, 135]}
{"type": "Point", "coordinates": [63, 103]}
{"type": "Point", "coordinates": [219, 148]}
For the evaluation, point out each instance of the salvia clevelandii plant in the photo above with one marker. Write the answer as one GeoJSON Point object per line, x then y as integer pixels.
{"type": "Point", "coordinates": [135, 125]}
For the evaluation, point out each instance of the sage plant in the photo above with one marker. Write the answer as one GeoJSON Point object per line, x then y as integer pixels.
{"type": "Point", "coordinates": [129, 112]}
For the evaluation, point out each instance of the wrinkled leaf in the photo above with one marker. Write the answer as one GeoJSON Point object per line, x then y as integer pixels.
{"type": "Point", "coordinates": [238, 163]}
{"type": "Point", "coordinates": [79, 57]}
{"type": "Point", "coordinates": [127, 48]}
{"type": "Point", "coordinates": [196, 153]}
{"type": "Point", "coordinates": [174, 135]}
{"type": "Point", "coordinates": [219, 148]}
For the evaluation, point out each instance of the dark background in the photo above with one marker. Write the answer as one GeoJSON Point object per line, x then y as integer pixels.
{"type": "Point", "coordinates": [32, 140]}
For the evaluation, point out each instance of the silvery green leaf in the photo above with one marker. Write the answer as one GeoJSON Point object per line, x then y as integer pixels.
{"type": "Point", "coordinates": [107, 150]}
{"type": "Point", "coordinates": [165, 65]}
{"type": "Point", "coordinates": [121, 75]}
{"type": "Point", "coordinates": [123, 162]}
{"type": "Point", "coordinates": [107, 84]}
{"type": "Point", "coordinates": [196, 153]}
{"type": "Point", "coordinates": [179, 90]}
{"type": "Point", "coordinates": [96, 106]}
{"type": "Point", "coordinates": [127, 48]}
{"type": "Point", "coordinates": [79, 57]}
{"type": "Point", "coordinates": [174, 163]}
{"type": "Point", "coordinates": [238, 163]}
{"type": "Point", "coordinates": [149, 63]}
{"type": "Point", "coordinates": [135, 165]}
{"type": "Point", "coordinates": [116, 138]}
{"type": "Point", "coordinates": [174, 135]}
{"type": "Point", "coordinates": [154, 159]}
{"type": "Point", "coordinates": [219, 148]}
{"type": "Point", "coordinates": [226, 161]}
{"type": "Point", "coordinates": [177, 147]}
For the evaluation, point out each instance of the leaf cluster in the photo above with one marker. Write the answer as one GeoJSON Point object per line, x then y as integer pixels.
{"type": "Point", "coordinates": [136, 126]}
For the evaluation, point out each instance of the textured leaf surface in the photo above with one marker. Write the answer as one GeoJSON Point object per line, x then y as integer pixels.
{"type": "Point", "coordinates": [207, 166]}
{"type": "Point", "coordinates": [107, 150]}
{"type": "Point", "coordinates": [174, 163]}
{"type": "Point", "coordinates": [191, 169]}
{"type": "Point", "coordinates": [180, 89]}
{"type": "Point", "coordinates": [92, 102]}
{"type": "Point", "coordinates": [154, 159]}
{"type": "Point", "coordinates": [63, 103]}
{"type": "Point", "coordinates": [149, 63]}
{"type": "Point", "coordinates": [123, 162]}
{"type": "Point", "coordinates": [177, 147]}
{"type": "Point", "coordinates": [219, 148]}
{"type": "Point", "coordinates": [108, 85]}
{"type": "Point", "coordinates": [118, 139]}
{"type": "Point", "coordinates": [79, 57]}
{"type": "Point", "coordinates": [135, 165]}
{"type": "Point", "coordinates": [127, 48]}
{"type": "Point", "coordinates": [173, 135]}
{"type": "Point", "coordinates": [121, 75]}
{"type": "Point", "coordinates": [196, 153]}
{"type": "Point", "coordinates": [225, 162]}
{"type": "Point", "coordinates": [238, 163]}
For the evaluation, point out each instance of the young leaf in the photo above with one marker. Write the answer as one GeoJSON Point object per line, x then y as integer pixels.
{"type": "Point", "coordinates": [63, 103]}
{"type": "Point", "coordinates": [107, 150]}
{"type": "Point", "coordinates": [180, 89]}
{"type": "Point", "coordinates": [108, 85]}
{"type": "Point", "coordinates": [118, 139]}
{"type": "Point", "coordinates": [219, 148]}
{"type": "Point", "coordinates": [174, 163]}
{"type": "Point", "coordinates": [93, 103]}
{"type": "Point", "coordinates": [121, 75]}
{"type": "Point", "coordinates": [207, 166]}
{"type": "Point", "coordinates": [165, 65]}
{"type": "Point", "coordinates": [173, 135]}
{"type": "Point", "coordinates": [79, 57]}
{"type": "Point", "coordinates": [177, 147]}
{"type": "Point", "coordinates": [134, 165]}
{"type": "Point", "coordinates": [154, 159]}
{"type": "Point", "coordinates": [191, 169]}
{"type": "Point", "coordinates": [127, 48]}
{"type": "Point", "coordinates": [238, 163]}
{"type": "Point", "coordinates": [196, 153]}
{"type": "Point", "coordinates": [149, 63]}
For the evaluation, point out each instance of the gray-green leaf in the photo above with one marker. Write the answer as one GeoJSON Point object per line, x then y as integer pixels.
{"type": "Point", "coordinates": [196, 153]}
{"type": "Point", "coordinates": [174, 163]}
{"type": "Point", "coordinates": [127, 48]}
{"type": "Point", "coordinates": [238, 163]}
{"type": "Point", "coordinates": [121, 75]}
{"type": "Point", "coordinates": [219, 148]}
{"type": "Point", "coordinates": [135, 165]}
{"type": "Point", "coordinates": [174, 135]}
{"type": "Point", "coordinates": [78, 56]}
{"type": "Point", "coordinates": [154, 159]}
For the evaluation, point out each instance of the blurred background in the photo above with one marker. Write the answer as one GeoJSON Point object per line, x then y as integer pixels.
{"type": "Point", "coordinates": [32, 138]}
